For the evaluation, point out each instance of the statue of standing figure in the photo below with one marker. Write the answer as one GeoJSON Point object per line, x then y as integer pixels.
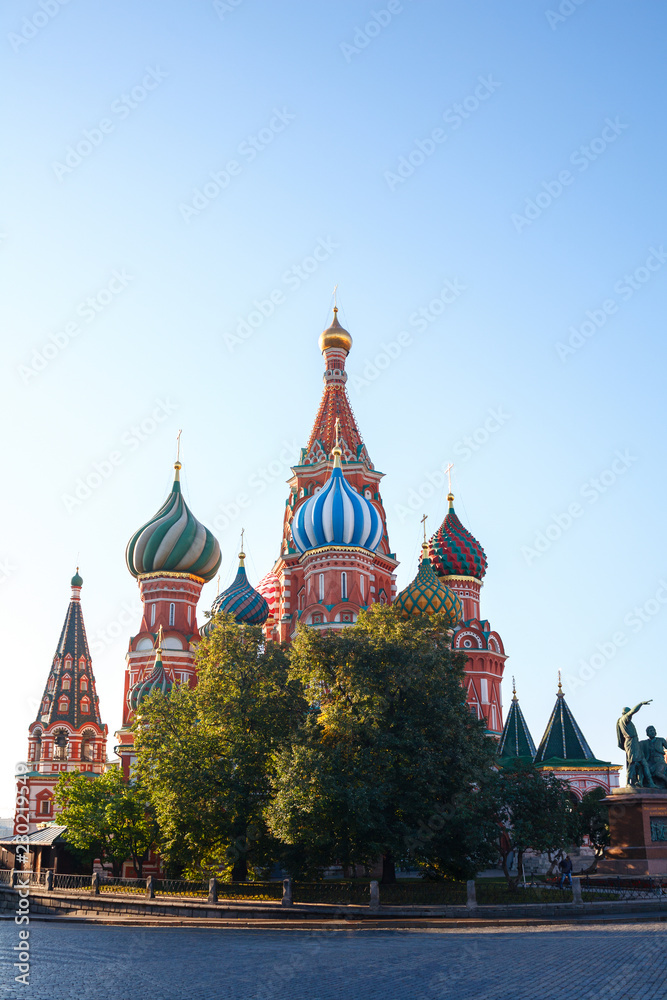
{"type": "Point", "coordinates": [653, 750]}
{"type": "Point", "coordinates": [639, 774]}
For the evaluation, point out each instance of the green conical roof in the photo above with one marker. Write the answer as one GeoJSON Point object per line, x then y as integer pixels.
{"type": "Point", "coordinates": [516, 740]}
{"type": "Point", "coordinates": [563, 739]}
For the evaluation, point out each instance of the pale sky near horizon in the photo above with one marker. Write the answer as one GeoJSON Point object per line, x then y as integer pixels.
{"type": "Point", "coordinates": [184, 184]}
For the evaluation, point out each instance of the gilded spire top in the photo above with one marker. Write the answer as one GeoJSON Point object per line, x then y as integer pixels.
{"type": "Point", "coordinates": [335, 335]}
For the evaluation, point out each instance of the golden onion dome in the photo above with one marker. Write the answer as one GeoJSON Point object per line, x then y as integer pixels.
{"type": "Point", "coordinates": [335, 336]}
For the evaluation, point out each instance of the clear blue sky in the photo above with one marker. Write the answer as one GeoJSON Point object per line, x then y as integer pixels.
{"type": "Point", "coordinates": [514, 154]}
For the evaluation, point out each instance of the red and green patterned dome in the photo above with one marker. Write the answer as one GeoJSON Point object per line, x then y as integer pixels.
{"type": "Point", "coordinates": [454, 551]}
{"type": "Point", "coordinates": [427, 595]}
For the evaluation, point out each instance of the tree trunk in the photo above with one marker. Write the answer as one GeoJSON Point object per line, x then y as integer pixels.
{"type": "Point", "coordinates": [240, 869]}
{"type": "Point", "coordinates": [388, 869]}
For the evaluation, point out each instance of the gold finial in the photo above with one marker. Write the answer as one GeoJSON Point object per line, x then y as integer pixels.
{"type": "Point", "coordinates": [514, 697]}
{"type": "Point", "coordinates": [337, 453]}
{"type": "Point", "coordinates": [424, 543]}
{"type": "Point", "coordinates": [560, 686]}
{"type": "Point", "coordinates": [450, 495]}
{"type": "Point", "coordinates": [177, 463]}
{"type": "Point", "coordinates": [242, 553]}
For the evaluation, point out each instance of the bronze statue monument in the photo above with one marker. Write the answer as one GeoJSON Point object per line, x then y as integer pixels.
{"type": "Point", "coordinates": [639, 774]}
{"type": "Point", "coordinates": [653, 750]}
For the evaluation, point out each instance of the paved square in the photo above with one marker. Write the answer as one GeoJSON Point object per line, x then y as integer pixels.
{"type": "Point", "coordinates": [86, 962]}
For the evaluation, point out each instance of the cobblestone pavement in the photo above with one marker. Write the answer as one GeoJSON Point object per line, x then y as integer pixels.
{"type": "Point", "coordinates": [621, 962]}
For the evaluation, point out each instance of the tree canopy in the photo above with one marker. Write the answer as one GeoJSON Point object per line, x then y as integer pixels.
{"type": "Point", "coordinates": [388, 747]}
{"type": "Point", "coordinates": [106, 816]}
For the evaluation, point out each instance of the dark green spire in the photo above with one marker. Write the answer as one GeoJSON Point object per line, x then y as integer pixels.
{"type": "Point", "coordinates": [516, 740]}
{"type": "Point", "coordinates": [563, 739]}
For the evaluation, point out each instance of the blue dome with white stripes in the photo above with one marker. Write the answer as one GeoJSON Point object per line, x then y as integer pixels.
{"type": "Point", "coordinates": [337, 515]}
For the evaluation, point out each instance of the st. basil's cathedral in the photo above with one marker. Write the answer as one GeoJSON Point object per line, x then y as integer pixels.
{"type": "Point", "coordinates": [334, 560]}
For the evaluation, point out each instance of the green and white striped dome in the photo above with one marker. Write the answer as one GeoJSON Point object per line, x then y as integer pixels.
{"type": "Point", "coordinates": [174, 541]}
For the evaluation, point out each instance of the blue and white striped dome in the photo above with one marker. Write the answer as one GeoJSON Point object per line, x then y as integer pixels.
{"type": "Point", "coordinates": [337, 515]}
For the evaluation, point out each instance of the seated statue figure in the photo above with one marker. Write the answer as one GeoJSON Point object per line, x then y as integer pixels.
{"type": "Point", "coordinates": [654, 753]}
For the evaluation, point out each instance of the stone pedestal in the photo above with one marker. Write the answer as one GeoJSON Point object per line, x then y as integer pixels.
{"type": "Point", "coordinates": [638, 830]}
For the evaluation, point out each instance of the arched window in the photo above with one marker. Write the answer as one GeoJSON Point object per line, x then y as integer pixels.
{"type": "Point", "coordinates": [321, 592]}
{"type": "Point", "coordinates": [301, 599]}
{"type": "Point", "coordinates": [45, 806]}
{"type": "Point", "coordinates": [88, 745]}
{"type": "Point", "coordinates": [85, 705]}
{"type": "Point", "coordinates": [362, 587]}
{"type": "Point", "coordinates": [343, 586]}
{"type": "Point", "coordinates": [37, 754]}
{"type": "Point", "coordinates": [45, 706]}
{"type": "Point", "coordinates": [60, 745]}
{"type": "Point", "coordinates": [83, 683]}
{"type": "Point", "coordinates": [152, 614]}
{"type": "Point", "coordinates": [51, 682]}
{"type": "Point", "coordinates": [172, 614]}
{"type": "Point", "coordinates": [67, 682]}
{"type": "Point", "coordinates": [189, 613]}
{"type": "Point", "coordinates": [63, 704]}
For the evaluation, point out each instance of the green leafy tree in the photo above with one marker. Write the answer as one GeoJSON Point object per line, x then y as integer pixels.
{"type": "Point", "coordinates": [389, 745]}
{"type": "Point", "coordinates": [106, 816]}
{"type": "Point", "coordinates": [591, 820]}
{"type": "Point", "coordinates": [535, 812]}
{"type": "Point", "coordinates": [206, 755]}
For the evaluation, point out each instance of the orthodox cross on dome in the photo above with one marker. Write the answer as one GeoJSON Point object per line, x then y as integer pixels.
{"type": "Point", "coordinates": [560, 686]}
{"type": "Point", "coordinates": [178, 446]}
{"type": "Point", "coordinates": [218, 583]}
{"type": "Point", "coordinates": [514, 697]}
{"type": "Point", "coordinates": [448, 473]}
{"type": "Point", "coordinates": [159, 639]}
{"type": "Point", "coordinates": [337, 428]}
{"type": "Point", "coordinates": [423, 521]}
{"type": "Point", "coordinates": [335, 297]}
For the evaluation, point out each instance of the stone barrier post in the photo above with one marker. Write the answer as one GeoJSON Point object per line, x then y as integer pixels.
{"type": "Point", "coordinates": [212, 890]}
{"type": "Point", "coordinates": [49, 881]}
{"type": "Point", "coordinates": [375, 896]}
{"type": "Point", "coordinates": [471, 901]}
{"type": "Point", "coordinates": [576, 890]}
{"type": "Point", "coordinates": [287, 892]}
{"type": "Point", "coordinates": [95, 883]}
{"type": "Point", "coordinates": [150, 888]}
